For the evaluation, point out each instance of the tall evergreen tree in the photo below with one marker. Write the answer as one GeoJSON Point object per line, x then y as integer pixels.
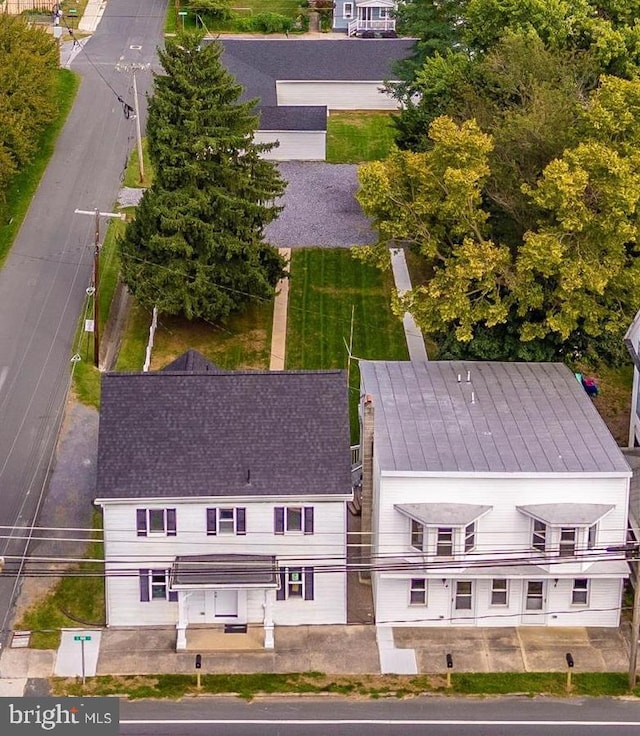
{"type": "Point", "coordinates": [197, 244]}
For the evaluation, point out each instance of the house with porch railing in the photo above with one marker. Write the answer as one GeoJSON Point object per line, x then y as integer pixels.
{"type": "Point", "coordinates": [368, 15]}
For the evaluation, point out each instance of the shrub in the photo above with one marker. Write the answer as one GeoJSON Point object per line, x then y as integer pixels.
{"type": "Point", "coordinates": [265, 23]}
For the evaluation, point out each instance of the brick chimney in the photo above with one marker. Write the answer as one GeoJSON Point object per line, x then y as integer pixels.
{"type": "Point", "coordinates": [367, 482]}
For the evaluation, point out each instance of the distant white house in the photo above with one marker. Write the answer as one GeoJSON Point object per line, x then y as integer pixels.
{"type": "Point", "coordinates": [286, 76]}
{"type": "Point", "coordinates": [224, 497]}
{"type": "Point", "coordinates": [366, 15]}
{"type": "Point", "coordinates": [495, 495]}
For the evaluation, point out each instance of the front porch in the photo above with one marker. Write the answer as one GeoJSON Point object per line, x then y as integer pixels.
{"type": "Point", "coordinates": [219, 638]}
{"type": "Point", "coordinates": [225, 601]}
{"type": "Point", "coordinates": [373, 16]}
{"type": "Point", "coordinates": [380, 25]}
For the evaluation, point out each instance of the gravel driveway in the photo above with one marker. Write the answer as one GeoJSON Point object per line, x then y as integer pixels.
{"type": "Point", "coordinates": [320, 208]}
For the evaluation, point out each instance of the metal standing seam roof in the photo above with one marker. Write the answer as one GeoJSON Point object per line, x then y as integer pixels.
{"type": "Point", "coordinates": [521, 418]}
{"type": "Point", "coordinates": [277, 433]}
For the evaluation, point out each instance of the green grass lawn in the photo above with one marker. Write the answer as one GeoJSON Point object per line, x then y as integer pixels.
{"type": "Point", "coordinates": [357, 136]}
{"type": "Point", "coordinates": [240, 8]}
{"type": "Point", "coordinates": [23, 186]}
{"type": "Point", "coordinates": [86, 377]}
{"type": "Point", "coordinates": [81, 595]}
{"type": "Point", "coordinates": [327, 286]}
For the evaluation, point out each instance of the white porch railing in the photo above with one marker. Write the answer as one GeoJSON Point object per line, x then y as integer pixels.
{"type": "Point", "coordinates": [383, 24]}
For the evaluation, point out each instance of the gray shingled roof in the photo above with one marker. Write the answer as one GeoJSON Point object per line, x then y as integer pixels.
{"type": "Point", "coordinates": [258, 63]}
{"type": "Point", "coordinates": [293, 117]}
{"type": "Point", "coordinates": [510, 418]}
{"type": "Point", "coordinates": [192, 362]}
{"type": "Point", "coordinates": [180, 434]}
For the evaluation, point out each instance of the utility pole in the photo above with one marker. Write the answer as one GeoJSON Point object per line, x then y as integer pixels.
{"type": "Point", "coordinates": [96, 276]}
{"type": "Point", "coordinates": [138, 134]}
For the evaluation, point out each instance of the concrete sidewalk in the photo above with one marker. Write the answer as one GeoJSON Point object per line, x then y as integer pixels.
{"type": "Point", "coordinates": [344, 650]}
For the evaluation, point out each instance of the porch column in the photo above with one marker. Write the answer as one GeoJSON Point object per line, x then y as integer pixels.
{"type": "Point", "coordinates": [181, 626]}
{"type": "Point", "coordinates": [268, 618]}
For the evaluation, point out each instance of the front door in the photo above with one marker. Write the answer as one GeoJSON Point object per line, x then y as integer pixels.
{"type": "Point", "coordinates": [463, 603]}
{"type": "Point", "coordinates": [534, 603]}
{"type": "Point", "coordinates": [225, 603]}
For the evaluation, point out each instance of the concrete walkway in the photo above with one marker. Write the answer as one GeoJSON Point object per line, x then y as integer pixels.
{"type": "Point", "coordinates": [415, 339]}
{"type": "Point", "coordinates": [280, 310]}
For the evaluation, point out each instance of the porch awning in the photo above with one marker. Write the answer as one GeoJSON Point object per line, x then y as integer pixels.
{"type": "Point", "coordinates": [443, 514]}
{"type": "Point", "coordinates": [224, 571]}
{"type": "Point", "coordinates": [567, 514]}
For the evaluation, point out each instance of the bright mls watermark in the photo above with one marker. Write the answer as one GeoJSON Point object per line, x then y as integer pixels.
{"type": "Point", "coordinates": [59, 716]}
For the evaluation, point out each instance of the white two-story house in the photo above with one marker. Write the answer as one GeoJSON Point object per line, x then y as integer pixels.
{"type": "Point", "coordinates": [496, 496]}
{"type": "Point", "coordinates": [224, 497]}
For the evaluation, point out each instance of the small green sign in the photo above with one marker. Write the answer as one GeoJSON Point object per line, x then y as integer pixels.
{"type": "Point", "coordinates": [182, 12]}
{"type": "Point", "coordinates": [82, 638]}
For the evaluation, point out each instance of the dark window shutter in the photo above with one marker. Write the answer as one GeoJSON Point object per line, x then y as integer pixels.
{"type": "Point", "coordinates": [308, 583]}
{"type": "Point", "coordinates": [211, 521]}
{"type": "Point", "coordinates": [308, 519]}
{"type": "Point", "coordinates": [241, 521]}
{"type": "Point", "coordinates": [278, 520]}
{"type": "Point", "coordinates": [173, 596]}
{"type": "Point", "coordinates": [281, 593]}
{"type": "Point", "coordinates": [171, 522]}
{"type": "Point", "coordinates": [144, 585]}
{"type": "Point", "coordinates": [141, 522]}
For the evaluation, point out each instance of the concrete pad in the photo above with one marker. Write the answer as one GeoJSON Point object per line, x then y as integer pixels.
{"type": "Point", "coordinates": [393, 660]}
{"type": "Point", "coordinates": [21, 663]}
{"type": "Point", "coordinates": [71, 660]}
{"type": "Point", "coordinates": [211, 640]}
{"type": "Point", "coordinates": [12, 687]}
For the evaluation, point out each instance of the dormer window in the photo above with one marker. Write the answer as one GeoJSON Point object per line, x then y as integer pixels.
{"type": "Point", "coordinates": [539, 540]}
{"type": "Point", "coordinates": [417, 535]}
{"type": "Point", "coordinates": [567, 545]}
{"type": "Point", "coordinates": [444, 542]}
{"type": "Point", "coordinates": [564, 528]}
{"type": "Point", "coordinates": [442, 530]}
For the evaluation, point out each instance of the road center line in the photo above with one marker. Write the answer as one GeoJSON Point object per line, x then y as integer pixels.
{"type": "Point", "coordinates": [373, 722]}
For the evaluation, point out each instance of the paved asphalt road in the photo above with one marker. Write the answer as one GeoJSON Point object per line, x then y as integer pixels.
{"type": "Point", "coordinates": [43, 282]}
{"type": "Point", "coordinates": [338, 717]}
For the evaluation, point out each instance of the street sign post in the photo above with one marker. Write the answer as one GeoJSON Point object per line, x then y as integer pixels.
{"type": "Point", "coordinates": [182, 14]}
{"type": "Point", "coordinates": [82, 638]}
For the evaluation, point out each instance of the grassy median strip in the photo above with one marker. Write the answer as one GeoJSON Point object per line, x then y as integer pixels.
{"type": "Point", "coordinates": [24, 184]}
{"type": "Point", "coordinates": [372, 686]}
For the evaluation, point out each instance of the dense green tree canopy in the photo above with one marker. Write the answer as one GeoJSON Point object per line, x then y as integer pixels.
{"type": "Point", "coordinates": [517, 176]}
{"type": "Point", "coordinates": [196, 246]}
{"type": "Point", "coordinates": [28, 65]}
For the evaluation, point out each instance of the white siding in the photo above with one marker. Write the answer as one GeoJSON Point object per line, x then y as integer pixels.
{"type": "Point", "coordinates": [328, 541]}
{"type": "Point", "coordinates": [501, 533]}
{"type": "Point", "coordinates": [339, 95]}
{"type": "Point", "coordinates": [295, 145]}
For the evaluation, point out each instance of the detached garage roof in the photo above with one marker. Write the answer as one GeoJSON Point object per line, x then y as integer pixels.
{"type": "Point", "coordinates": [258, 64]}
{"type": "Point", "coordinates": [293, 117]}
